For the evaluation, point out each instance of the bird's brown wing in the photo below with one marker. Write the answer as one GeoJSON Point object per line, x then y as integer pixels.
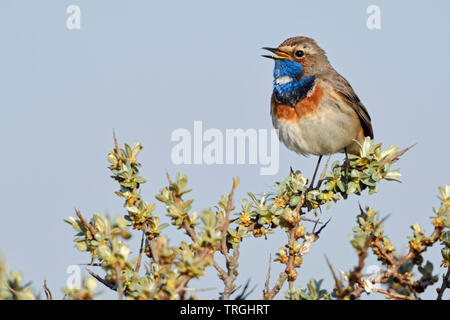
{"type": "Point", "coordinates": [345, 90]}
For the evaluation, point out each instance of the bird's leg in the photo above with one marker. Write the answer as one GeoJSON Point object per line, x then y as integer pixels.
{"type": "Point", "coordinates": [324, 171]}
{"type": "Point", "coordinates": [347, 165]}
{"type": "Point", "coordinates": [311, 185]}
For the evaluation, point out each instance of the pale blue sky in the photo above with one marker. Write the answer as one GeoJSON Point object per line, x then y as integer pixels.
{"type": "Point", "coordinates": [147, 68]}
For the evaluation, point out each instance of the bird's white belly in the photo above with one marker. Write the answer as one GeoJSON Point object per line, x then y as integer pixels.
{"type": "Point", "coordinates": [328, 131]}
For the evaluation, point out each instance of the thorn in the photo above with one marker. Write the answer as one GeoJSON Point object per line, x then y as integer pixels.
{"type": "Point", "coordinates": [322, 227]}
{"type": "Point", "coordinates": [336, 280]}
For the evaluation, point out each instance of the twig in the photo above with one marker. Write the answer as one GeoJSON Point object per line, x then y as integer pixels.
{"type": "Point", "coordinates": [222, 273]}
{"type": "Point", "coordinates": [182, 286]}
{"type": "Point", "coordinates": [168, 177]}
{"type": "Point", "coordinates": [267, 283]}
{"type": "Point", "coordinates": [336, 280]}
{"type": "Point", "coordinates": [118, 150]}
{"type": "Point", "coordinates": [47, 291]}
{"type": "Point", "coordinates": [390, 259]}
{"type": "Point", "coordinates": [397, 155]}
{"type": "Point", "coordinates": [226, 222]}
{"type": "Point", "coordinates": [229, 276]}
{"type": "Point", "coordinates": [392, 270]}
{"type": "Point", "coordinates": [141, 250]}
{"type": "Point", "coordinates": [357, 272]}
{"type": "Point", "coordinates": [119, 281]}
{"type": "Point", "coordinates": [413, 253]}
{"type": "Point", "coordinates": [393, 294]}
{"type": "Point", "coordinates": [290, 263]}
{"type": "Point", "coordinates": [445, 283]}
{"type": "Point", "coordinates": [354, 278]}
{"type": "Point", "coordinates": [90, 227]}
{"type": "Point", "coordinates": [232, 274]}
{"type": "Point", "coordinates": [198, 289]}
{"type": "Point", "coordinates": [277, 287]}
{"type": "Point", "coordinates": [189, 230]}
{"type": "Point", "coordinates": [151, 244]}
{"type": "Point", "coordinates": [270, 294]}
{"type": "Point", "coordinates": [309, 239]}
{"type": "Point", "coordinates": [311, 220]}
{"type": "Point", "coordinates": [321, 228]}
{"type": "Point", "coordinates": [101, 280]}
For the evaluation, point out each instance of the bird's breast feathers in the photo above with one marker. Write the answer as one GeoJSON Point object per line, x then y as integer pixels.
{"type": "Point", "coordinates": [309, 105]}
{"type": "Point", "coordinates": [321, 123]}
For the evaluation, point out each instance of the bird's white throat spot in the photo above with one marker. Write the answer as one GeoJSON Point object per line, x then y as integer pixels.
{"type": "Point", "coordinates": [283, 80]}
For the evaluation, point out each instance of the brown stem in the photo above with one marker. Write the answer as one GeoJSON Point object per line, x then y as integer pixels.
{"type": "Point", "coordinates": [189, 230]}
{"type": "Point", "coordinates": [390, 259]}
{"type": "Point", "coordinates": [354, 278]}
{"type": "Point", "coordinates": [394, 294]}
{"type": "Point", "coordinates": [267, 283]}
{"type": "Point", "coordinates": [336, 280]}
{"type": "Point", "coordinates": [231, 274]}
{"type": "Point", "coordinates": [222, 273]}
{"type": "Point", "coordinates": [90, 227]}
{"type": "Point", "coordinates": [141, 250]}
{"type": "Point", "coordinates": [445, 283]}
{"type": "Point", "coordinates": [277, 287]}
{"type": "Point", "coordinates": [228, 277]}
{"type": "Point", "coordinates": [47, 291]}
{"type": "Point", "coordinates": [226, 222]}
{"type": "Point", "coordinates": [290, 263]}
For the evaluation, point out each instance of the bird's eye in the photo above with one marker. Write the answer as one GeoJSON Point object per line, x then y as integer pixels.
{"type": "Point", "coordinates": [299, 53]}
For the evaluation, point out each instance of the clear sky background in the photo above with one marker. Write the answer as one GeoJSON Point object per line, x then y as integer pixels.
{"type": "Point", "coordinates": [147, 68]}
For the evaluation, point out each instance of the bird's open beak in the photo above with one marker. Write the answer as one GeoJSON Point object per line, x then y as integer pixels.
{"type": "Point", "coordinates": [278, 54]}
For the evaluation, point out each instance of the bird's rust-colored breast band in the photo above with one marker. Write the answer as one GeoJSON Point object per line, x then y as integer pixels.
{"type": "Point", "coordinates": [307, 106]}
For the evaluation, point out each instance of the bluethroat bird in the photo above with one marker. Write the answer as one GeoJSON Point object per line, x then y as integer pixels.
{"type": "Point", "coordinates": [313, 107]}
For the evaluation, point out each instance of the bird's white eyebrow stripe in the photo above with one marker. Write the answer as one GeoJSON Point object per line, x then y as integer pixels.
{"type": "Point", "coordinates": [283, 80]}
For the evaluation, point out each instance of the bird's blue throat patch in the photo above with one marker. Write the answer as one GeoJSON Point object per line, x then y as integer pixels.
{"type": "Point", "coordinates": [289, 85]}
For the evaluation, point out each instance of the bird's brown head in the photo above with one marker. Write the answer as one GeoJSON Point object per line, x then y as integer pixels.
{"type": "Point", "coordinates": [303, 50]}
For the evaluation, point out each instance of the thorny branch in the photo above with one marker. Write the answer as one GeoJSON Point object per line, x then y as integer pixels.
{"type": "Point", "coordinates": [289, 273]}
{"type": "Point", "coordinates": [223, 236]}
{"type": "Point", "coordinates": [231, 261]}
{"type": "Point", "coordinates": [357, 285]}
{"type": "Point", "coordinates": [228, 276]}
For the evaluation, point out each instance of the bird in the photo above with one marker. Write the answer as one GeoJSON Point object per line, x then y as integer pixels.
{"type": "Point", "coordinates": [314, 108]}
